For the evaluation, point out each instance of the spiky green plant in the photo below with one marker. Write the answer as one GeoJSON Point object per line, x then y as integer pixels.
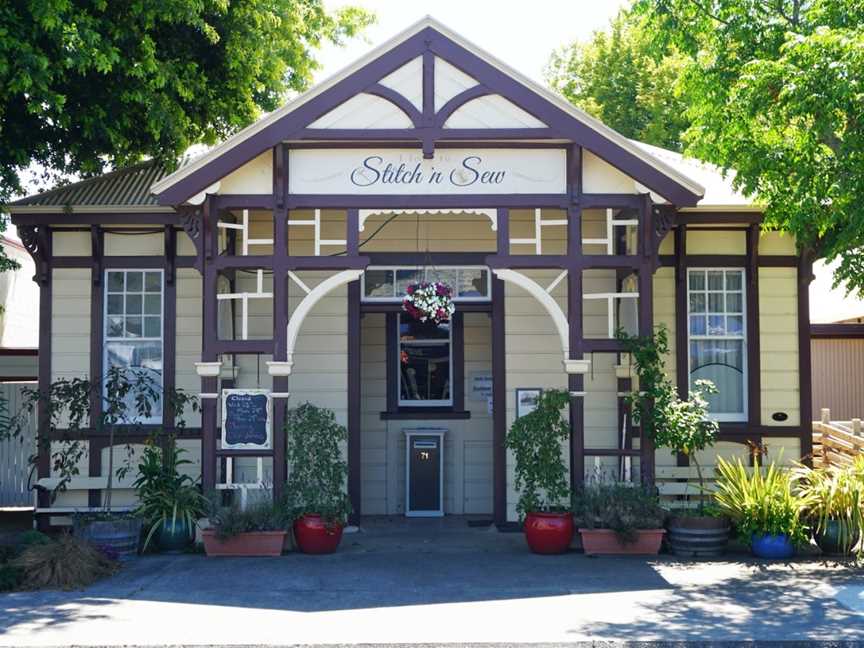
{"type": "Point", "coordinates": [834, 494]}
{"type": "Point", "coordinates": [760, 500]}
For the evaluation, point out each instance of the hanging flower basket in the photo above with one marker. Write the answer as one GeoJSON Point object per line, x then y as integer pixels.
{"type": "Point", "coordinates": [429, 302]}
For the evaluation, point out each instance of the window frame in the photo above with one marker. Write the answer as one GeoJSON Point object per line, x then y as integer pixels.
{"type": "Point", "coordinates": [432, 404]}
{"type": "Point", "coordinates": [158, 413]}
{"type": "Point", "coordinates": [722, 417]}
{"type": "Point", "coordinates": [395, 299]}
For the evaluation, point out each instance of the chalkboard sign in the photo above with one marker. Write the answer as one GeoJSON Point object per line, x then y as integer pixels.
{"type": "Point", "coordinates": [246, 418]}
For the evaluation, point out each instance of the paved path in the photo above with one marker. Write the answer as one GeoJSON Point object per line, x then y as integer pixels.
{"type": "Point", "coordinates": [470, 586]}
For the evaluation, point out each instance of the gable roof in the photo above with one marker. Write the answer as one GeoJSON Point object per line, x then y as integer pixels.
{"type": "Point", "coordinates": [291, 118]}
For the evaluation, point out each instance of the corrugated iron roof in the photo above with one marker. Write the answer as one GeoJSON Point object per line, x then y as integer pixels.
{"type": "Point", "coordinates": [125, 187]}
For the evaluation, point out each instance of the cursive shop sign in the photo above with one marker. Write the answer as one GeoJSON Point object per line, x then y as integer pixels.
{"type": "Point", "coordinates": [406, 172]}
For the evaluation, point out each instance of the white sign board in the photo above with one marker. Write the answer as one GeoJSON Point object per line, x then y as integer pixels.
{"type": "Point", "coordinates": [405, 172]}
{"type": "Point", "coordinates": [481, 386]}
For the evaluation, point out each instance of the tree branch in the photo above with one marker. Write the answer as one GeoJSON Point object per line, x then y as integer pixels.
{"type": "Point", "coordinates": [705, 11]}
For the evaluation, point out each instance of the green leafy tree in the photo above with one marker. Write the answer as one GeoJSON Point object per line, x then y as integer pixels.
{"type": "Point", "coordinates": [620, 77]}
{"type": "Point", "coordinates": [776, 92]}
{"type": "Point", "coordinates": [85, 84]}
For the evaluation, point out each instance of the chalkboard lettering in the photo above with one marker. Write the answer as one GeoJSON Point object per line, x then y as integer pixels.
{"type": "Point", "coordinates": [246, 419]}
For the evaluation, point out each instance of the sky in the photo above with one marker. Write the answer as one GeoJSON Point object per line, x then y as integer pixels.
{"type": "Point", "coordinates": [522, 34]}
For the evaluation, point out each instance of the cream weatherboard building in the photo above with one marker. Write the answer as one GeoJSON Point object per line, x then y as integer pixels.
{"type": "Point", "coordinates": [275, 264]}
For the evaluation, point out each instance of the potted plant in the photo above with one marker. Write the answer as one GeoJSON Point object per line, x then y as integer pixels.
{"type": "Point", "coordinates": [429, 302]}
{"type": "Point", "coordinates": [764, 506]}
{"type": "Point", "coordinates": [541, 475]}
{"type": "Point", "coordinates": [317, 478]}
{"type": "Point", "coordinates": [127, 399]}
{"type": "Point", "coordinates": [258, 530]}
{"type": "Point", "coordinates": [169, 503]}
{"type": "Point", "coordinates": [833, 502]}
{"type": "Point", "coordinates": [618, 518]}
{"type": "Point", "coordinates": [682, 426]}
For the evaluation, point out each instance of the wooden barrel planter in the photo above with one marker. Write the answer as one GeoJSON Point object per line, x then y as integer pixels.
{"type": "Point", "coordinates": [697, 536]}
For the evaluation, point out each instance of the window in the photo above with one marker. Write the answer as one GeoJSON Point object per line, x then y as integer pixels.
{"type": "Point", "coordinates": [133, 325]}
{"type": "Point", "coordinates": [717, 348]}
{"type": "Point", "coordinates": [390, 283]}
{"type": "Point", "coordinates": [425, 357]}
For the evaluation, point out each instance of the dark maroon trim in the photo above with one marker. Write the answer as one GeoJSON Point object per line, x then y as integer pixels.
{"type": "Point", "coordinates": [682, 338]}
{"type": "Point", "coordinates": [84, 218]}
{"type": "Point", "coordinates": [146, 262]}
{"type": "Point", "coordinates": [236, 452]}
{"type": "Point", "coordinates": [646, 315]}
{"type": "Point", "coordinates": [396, 144]}
{"type": "Point", "coordinates": [6, 351]}
{"type": "Point", "coordinates": [455, 103]}
{"type": "Point", "coordinates": [97, 329]}
{"type": "Point", "coordinates": [805, 369]}
{"type": "Point", "coordinates": [731, 260]}
{"type": "Point", "coordinates": [754, 359]}
{"type": "Point", "coordinates": [209, 353]}
{"type": "Point", "coordinates": [20, 378]}
{"type": "Point", "coordinates": [397, 100]}
{"type": "Point", "coordinates": [711, 218]}
{"type": "Point", "coordinates": [241, 346]}
{"type": "Point", "coordinates": [384, 201]}
{"type": "Point", "coordinates": [396, 307]}
{"type": "Point", "coordinates": [422, 258]}
{"type": "Point", "coordinates": [612, 452]}
{"type": "Point", "coordinates": [44, 276]}
{"type": "Point", "coordinates": [279, 344]}
{"type": "Point", "coordinates": [615, 201]}
{"type": "Point", "coordinates": [837, 331]}
{"type": "Point", "coordinates": [575, 382]}
{"type": "Point", "coordinates": [425, 414]}
{"type": "Point", "coordinates": [434, 134]}
{"type": "Point", "coordinates": [391, 322]}
{"type": "Point", "coordinates": [293, 125]}
{"type": "Point", "coordinates": [499, 389]}
{"type": "Point", "coordinates": [602, 345]}
{"type": "Point", "coordinates": [355, 457]}
{"type": "Point", "coordinates": [285, 263]}
{"type": "Point", "coordinates": [457, 387]}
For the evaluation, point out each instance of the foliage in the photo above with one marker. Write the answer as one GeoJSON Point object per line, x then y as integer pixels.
{"type": "Point", "coordinates": [760, 500]}
{"type": "Point", "coordinates": [127, 398]}
{"type": "Point", "coordinates": [834, 494]}
{"type": "Point", "coordinates": [66, 563]}
{"type": "Point", "coordinates": [317, 471]}
{"type": "Point", "coordinates": [675, 423]}
{"type": "Point", "coordinates": [620, 78]}
{"type": "Point", "coordinates": [260, 515]}
{"type": "Point", "coordinates": [776, 92]}
{"type": "Point", "coordinates": [33, 537]}
{"type": "Point", "coordinates": [165, 496]}
{"type": "Point", "coordinates": [535, 439]}
{"type": "Point", "coordinates": [85, 84]}
{"type": "Point", "coordinates": [622, 507]}
{"type": "Point", "coordinates": [429, 301]}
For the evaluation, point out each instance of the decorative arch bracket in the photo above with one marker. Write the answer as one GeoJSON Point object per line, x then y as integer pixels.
{"type": "Point", "coordinates": [491, 214]}
{"type": "Point", "coordinates": [543, 296]}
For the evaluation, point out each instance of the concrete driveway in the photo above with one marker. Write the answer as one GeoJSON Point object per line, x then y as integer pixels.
{"type": "Point", "coordinates": [434, 583]}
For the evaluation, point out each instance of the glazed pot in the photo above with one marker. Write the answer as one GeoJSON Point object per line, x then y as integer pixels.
{"type": "Point", "coordinates": [696, 536]}
{"type": "Point", "coordinates": [829, 541]}
{"type": "Point", "coordinates": [117, 536]}
{"type": "Point", "coordinates": [174, 536]}
{"type": "Point", "coordinates": [548, 533]}
{"type": "Point", "coordinates": [600, 542]}
{"type": "Point", "coordinates": [252, 543]}
{"type": "Point", "coordinates": [315, 535]}
{"type": "Point", "coordinates": [774, 547]}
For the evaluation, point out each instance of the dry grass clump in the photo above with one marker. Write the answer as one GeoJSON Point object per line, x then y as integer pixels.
{"type": "Point", "coordinates": [66, 563]}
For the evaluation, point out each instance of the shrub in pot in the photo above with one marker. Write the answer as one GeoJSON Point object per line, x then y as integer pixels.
{"type": "Point", "coordinates": [833, 503]}
{"type": "Point", "coordinates": [169, 503]}
{"type": "Point", "coordinates": [541, 475]}
{"type": "Point", "coordinates": [317, 478]}
{"type": "Point", "coordinates": [684, 427]}
{"type": "Point", "coordinates": [618, 518]}
{"type": "Point", "coordinates": [257, 530]}
{"type": "Point", "coordinates": [763, 505]}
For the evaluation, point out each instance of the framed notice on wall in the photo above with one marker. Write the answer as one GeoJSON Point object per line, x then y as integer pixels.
{"type": "Point", "coordinates": [247, 419]}
{"type": "Point", "coordinates": [526, 400]}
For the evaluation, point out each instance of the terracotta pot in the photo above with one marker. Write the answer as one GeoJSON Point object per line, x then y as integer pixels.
{"type": "Point", "coordinates": [549, 533]}
{"type": "Point", "coordinates": [253, 543]}
{"type": "Point", "coordinates": [315, 535]}
{"type": "Point", "coordinates": [607, 542]}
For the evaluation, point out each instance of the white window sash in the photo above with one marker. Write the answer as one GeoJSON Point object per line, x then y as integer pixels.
{"type": "Point", "coordinates": [424, 343]}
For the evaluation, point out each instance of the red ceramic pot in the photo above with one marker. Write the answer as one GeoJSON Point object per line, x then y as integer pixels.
{"type": "Point", "coordinates": [549, 533]}
{"type": "Point", "coordinates": [253, 543]}
{"type": "Point", "coordinates": [314, 535]}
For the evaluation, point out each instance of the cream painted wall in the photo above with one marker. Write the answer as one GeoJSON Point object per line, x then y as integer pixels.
{"type": "Point", "coordinates": [778, 343]}
{"type": "Point", "coordinates": [70, 323]}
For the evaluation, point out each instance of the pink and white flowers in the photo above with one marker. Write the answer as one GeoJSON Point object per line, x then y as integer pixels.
{"type": "Point", "coordinates": [429, 302]}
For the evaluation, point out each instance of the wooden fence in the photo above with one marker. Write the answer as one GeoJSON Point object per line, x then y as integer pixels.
{"type": "Point", "coordinates": [15, 454]}
{"type": "Point", "coordinates": [836, 443]}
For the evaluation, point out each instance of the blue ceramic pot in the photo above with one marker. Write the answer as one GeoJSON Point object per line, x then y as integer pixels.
{"type": "Point", "coordinates": [174, 538]}
{"type": "Point", "coordinates": [774, 547]}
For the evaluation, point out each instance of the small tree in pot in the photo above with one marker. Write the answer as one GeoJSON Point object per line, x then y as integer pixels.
{"type": "Point", "coordinates": [682, 426]}
{"type": "Point", "coordinates": [541, 474]}
{"type": "Point", "coordinates": [317, 478]}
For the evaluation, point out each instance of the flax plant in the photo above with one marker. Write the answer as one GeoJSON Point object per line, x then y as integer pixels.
{"type": "Point", "coordinates": [760, 500]}
{"type": "Point", "coordinates": [833, 496]}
